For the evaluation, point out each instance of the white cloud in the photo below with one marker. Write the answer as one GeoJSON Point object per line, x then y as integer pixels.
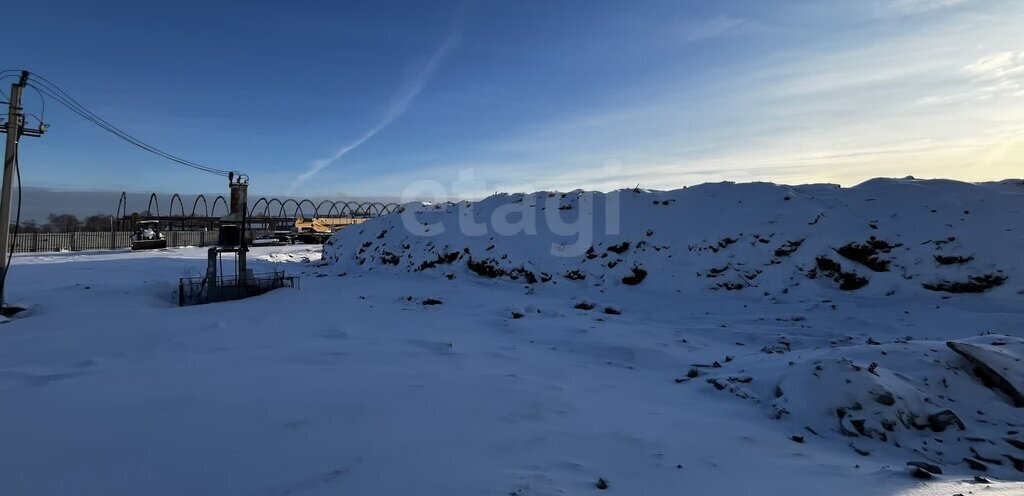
{"type": "Point", "coordinates": [994, 75]}
{"type": "Point", "coordinates": [920, 6]}
{"type": "Point", "coordinates": [845, 115]}
{"type": "Point", "coordinates": [717, 27]}
{"type": "Point", "coordinates": [401, 102]}
{"type": "Point", "coordinates": [998, 66]}
{"type": "Point", "coordinates": [895, 105]}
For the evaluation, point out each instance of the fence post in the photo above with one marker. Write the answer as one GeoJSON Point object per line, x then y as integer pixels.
{"type": "Point", "coordinates": [74, 238]}
{"type": "Point", "coordinates": [35, 242]}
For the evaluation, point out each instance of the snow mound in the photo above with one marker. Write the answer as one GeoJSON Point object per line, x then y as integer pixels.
{"type": "Point", "coordinates": [919, 401]}
{"type": "Point", "coordinates": [881, 237]}
{"type": "Point", "coordinates": [304, 256]}
{"type": "Point", "coordinates": [916, 399]}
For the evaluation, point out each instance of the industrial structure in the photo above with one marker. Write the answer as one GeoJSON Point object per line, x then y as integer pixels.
{"type": "Point", "coordinates": [265, 214]}
{"type": "Point", "coordinates": [241, 282]}
{"type": "Point", "coordinates": [146, 230]}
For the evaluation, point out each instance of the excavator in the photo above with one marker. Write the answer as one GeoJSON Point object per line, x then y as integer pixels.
{"type": "Point", "coordinates": [319, 229]}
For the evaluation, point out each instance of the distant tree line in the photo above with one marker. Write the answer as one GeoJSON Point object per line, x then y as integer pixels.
{"type": "Point", "coordinates": [68, 223]}
{"type": "Point", "coordinates": [58, 223]}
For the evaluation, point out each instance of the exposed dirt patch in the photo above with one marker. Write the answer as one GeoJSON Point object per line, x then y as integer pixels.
{"type": "Point", "coordinates": [575, 275]}
{"type": "Point", "coordinates": [491, 269]}
{"type": "Point", "coordinates": [619, 248]}
{"type": "Point", "coordinates": [444, 258]}
{"type": "Point", "coordinates": [730, 286]}
{"type": "Point", "coordinates": [867, 253]}
{"type": "Point", "coordinates": [486, 268]}
{"type": "Point", "coordinates": [848, 281]}
{"type": "Point", "coordinates": [973, 284]}
{"type": "Point", "coordinates": [389, 258]}
{"type": "Point", "coordinates": [788, 248]}
{"type": "Point", "coordinates": [639, 274]}
{"type": "Point", "coordinates": [952, 259]}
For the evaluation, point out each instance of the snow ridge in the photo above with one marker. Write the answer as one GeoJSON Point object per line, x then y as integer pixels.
{"type": "Point", "coordinates": [881, 237]}
{"type": "Point", "coordinates": [885, 240]}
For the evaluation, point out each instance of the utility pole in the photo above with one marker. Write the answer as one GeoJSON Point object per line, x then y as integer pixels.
{"type": "Point", "coordinates": [15, 129]}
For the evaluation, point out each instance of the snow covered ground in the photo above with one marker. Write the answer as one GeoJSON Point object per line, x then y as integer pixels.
{"type": "Point", "coordinates": [493, 364]}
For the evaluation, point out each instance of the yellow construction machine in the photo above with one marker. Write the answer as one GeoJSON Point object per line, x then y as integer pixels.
{"type": "Point", "coordinates": [320, 229]}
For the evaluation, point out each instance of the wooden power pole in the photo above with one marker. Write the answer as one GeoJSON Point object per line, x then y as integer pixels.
{"type": "Point", "coordinates": [15, 129]}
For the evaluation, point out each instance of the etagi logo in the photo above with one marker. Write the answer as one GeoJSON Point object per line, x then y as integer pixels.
{"type": "Point", "coordinates": [571, 220]}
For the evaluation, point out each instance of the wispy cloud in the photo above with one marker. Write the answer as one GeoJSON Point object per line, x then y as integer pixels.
{"type": "Point", "coordinates": [830, 113]}
{"type": "Point", "coordinates": [921, 6]}
{"type": "Point", "coordinates": [717, 27]}
{"type": "Point", "coordinates": [994, 75]}
{"type": "Point", "coordinates": [400, 102]}
{"type": "Point", "coordinates": [998, 66]}
{"type": "Point", "coordinates": [835, 111]}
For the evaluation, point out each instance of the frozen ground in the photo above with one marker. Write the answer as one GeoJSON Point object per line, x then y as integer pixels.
{"type": "Point", "coordinates": [378, 378]}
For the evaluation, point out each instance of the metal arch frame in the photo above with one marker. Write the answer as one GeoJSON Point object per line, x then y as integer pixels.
{"type": "Point", "coordinates": [213, 209]}
{"type": "Point", "coordinates": [339, 208]}
{"type": "Point", "coordinates": [304, 201]}
{"type": "Point", "coordinates": [351, 210]}
{"type": "Point", "coordinates": [316, 211]}
{"type": "Point", "coordinates": [271, 202]}
{"type": "Point", "coordinates": [206, 206]}
{"type": "Point", "coordinates": [148, 208]}
{"type": "Point", "coordinates": [122, 205]}
{"type": "Point", "coordinates": [298, 208]}
{"type": "Point", "coordinates": [122, 208]}
{"type": "Point", "coordinates": [170, 209]}
{"type": "Point", "coordinates": [363, 209]}
{"type": "Point", "coordinates": [254, 205]}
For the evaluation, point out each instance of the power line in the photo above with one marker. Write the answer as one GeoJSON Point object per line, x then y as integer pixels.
{"type": "Point", "coordinates": [53, 91]}
{"type": "Point", "coordinates": [2, 77]}
{"type": "Point", "coordinates": [42, 102]}
{"type": "Point", "coordinates": [85, 114]}
{"type": "Point", "coordinates": [9, 73]}
{"type": "Point", "coordinates": [48, 88]}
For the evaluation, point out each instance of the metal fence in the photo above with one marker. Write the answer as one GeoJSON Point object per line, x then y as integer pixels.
{"type": "Point", "coordinates": [112, 240]}
{"type": "Point", "coordinates": [198, 290]}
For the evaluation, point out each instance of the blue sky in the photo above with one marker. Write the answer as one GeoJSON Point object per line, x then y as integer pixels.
{"type": "Point", "coordinates": [358, 99]}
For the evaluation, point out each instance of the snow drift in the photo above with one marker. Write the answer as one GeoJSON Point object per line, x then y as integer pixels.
{"type": "Point", "coordinates": [916, 396]}
{"type": "Point", "coordinates": [879, 238]}
{"type": "Point", "coordinates": [915, 240]}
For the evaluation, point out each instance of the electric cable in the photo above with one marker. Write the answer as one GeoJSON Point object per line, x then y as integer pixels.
{"type": "Point", "coordinates": [85, 114]}
{"type": "Point", "coordinates": [44, 86]}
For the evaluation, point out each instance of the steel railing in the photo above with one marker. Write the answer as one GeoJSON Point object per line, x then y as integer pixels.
{"type": "Point", "coordinates": [111, 240]}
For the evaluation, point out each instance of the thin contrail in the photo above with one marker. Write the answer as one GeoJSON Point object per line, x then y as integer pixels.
{"type": "Point", "coordinates": [403, 98]}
